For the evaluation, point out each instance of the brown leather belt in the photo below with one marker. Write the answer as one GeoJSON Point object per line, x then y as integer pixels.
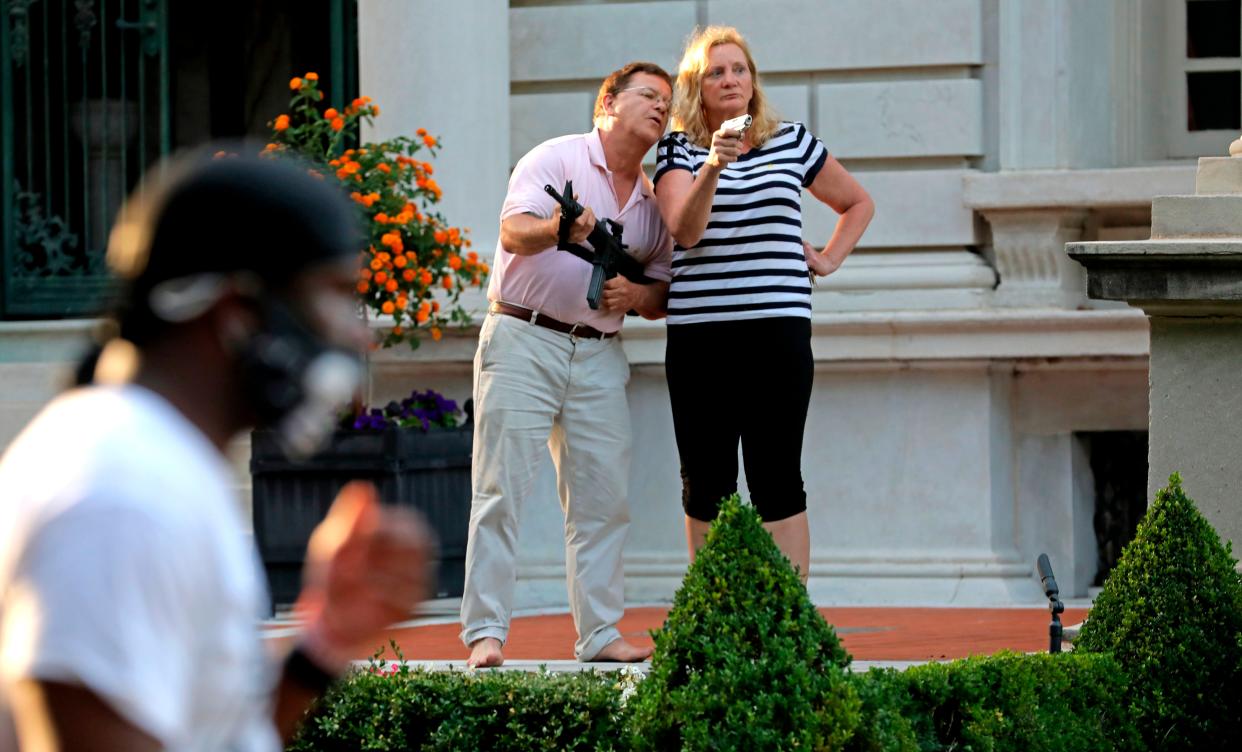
{"type": "Point", "coordinates": [546, 321]}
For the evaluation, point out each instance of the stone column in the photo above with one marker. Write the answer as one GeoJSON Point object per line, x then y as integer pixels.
{"type": "Point", "coordinates": [1188, 280]}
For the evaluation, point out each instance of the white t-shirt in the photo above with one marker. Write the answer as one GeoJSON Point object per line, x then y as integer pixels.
{"type": "Point", "coordinates": [123, 568]}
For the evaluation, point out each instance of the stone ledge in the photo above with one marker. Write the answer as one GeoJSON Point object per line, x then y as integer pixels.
{"type": "Point", "coordinates": [1193, 277]}
{"type": "Point", "coordinates": [1028, 189]}
{"type": "Point", "coordinates": [987, 333]}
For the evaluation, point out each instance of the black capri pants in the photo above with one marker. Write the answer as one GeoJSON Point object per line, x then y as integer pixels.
{"type": "Point", "coordinates": [747, 381]}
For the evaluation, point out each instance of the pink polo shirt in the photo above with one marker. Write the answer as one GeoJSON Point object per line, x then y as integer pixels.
{"type": "Point", "coordinates": [555, 282]}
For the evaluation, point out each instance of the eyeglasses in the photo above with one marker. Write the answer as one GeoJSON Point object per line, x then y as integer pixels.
{"type": "Point", "coordinates": [650, 94]}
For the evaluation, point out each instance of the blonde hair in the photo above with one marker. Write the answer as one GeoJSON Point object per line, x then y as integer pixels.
{"type": "Point", "coordinates": [688, 115]}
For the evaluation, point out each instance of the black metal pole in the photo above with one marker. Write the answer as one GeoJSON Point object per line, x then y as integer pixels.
{"type": "Point", "coordinates": [1054, 602]}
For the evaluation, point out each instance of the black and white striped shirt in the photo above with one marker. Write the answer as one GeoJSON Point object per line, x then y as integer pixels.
{"type": "Point", "coordinates": [749, 263]}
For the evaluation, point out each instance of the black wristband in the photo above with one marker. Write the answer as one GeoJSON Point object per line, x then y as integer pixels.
{"type": "Point", "coordinates": [307, 674]}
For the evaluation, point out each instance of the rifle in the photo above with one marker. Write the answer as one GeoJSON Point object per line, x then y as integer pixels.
{"type": "Point", "coordinates": [608, 258]}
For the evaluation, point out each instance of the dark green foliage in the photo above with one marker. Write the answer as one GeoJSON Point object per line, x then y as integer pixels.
{"type": "Point", "coordinates": [459, 712]}
{"type": "Point", "coordinates": [744, 662]}
{"type": "Point", "coordinates": [1023, 703]}
{"type": "Point", "coordinates": [1171, 614]}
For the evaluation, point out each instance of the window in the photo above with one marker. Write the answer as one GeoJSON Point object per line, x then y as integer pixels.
{"type": "Point", "coordinates": [1205, 55]}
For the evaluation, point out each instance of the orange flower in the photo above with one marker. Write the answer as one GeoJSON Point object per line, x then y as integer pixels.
{"type": "Point", "coordinates": [402, 302]}
{"type": "Point", "coordinates": [338, 123]}
{"type": "Point", "coordinates": [424, 306]}
{"type": "Point", "coordinates": [397, 331]}
{"type": "Point", "coordinates": [400, 261]}
{"type": "Point", "coordinates": [282, 122]}
{"type": "Point", "coordinates": [447, 282]}
{"type": "Point", "coordinates": [384, 168]}
{"type": "Point", "coordinates": [391, 285]}
{"type": "Point", "coordinates": [376, 264]}
{"type": "Point", "coordinates": [425, 277]}
{"type": "Point", "coordinates": [441, 237]}
{"type": "Point", "coordinates": [429, 140]}
{"type": "Point", "coordinates": [422, 316]}
{"type": "Point", "coordinates": [312, 76]}
{"type": "Point", "coordinates": [436, 334]}
{"type": "Point", "coordinates": [388, 307]}
{"type": "Point", "coordinates": [271, 147]}
{"type": "Point", "coordinates": [295, 83]}
{"type": "Point", "coordinates": [421, 131]}
{"type": "Point", "coordinates": [380, 277]}
{"type": "Point", "coordinates": [408, 275]}
{"type": "Point", "coordinates": [375, 109]}
{"type": "Point", "coordinates": [330, 113]}
{"type": "Point", "coordinates": [364, 273]}
{"type": "Point", "coordinates": [454, 262]}
{"type": "Point", "coordinates": [472, 256]}
{"type": "Point", "coordinates": [363, 286]}
{"type": "Point", "coordinates": [435, 306]}
{"type": "Point", "coordinates": [381, 218]}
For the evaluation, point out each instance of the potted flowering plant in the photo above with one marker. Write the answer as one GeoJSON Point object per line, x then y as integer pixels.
{"type": "Point", "coordinates": [412, 271]}
{"type": "Point", "coordinates": [417, 453]}
{"type": "Point", "coordinates": [415, 265]}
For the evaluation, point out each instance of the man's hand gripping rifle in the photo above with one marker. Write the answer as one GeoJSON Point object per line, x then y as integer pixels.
{"type": "Point", "coordinates": [609, 257]}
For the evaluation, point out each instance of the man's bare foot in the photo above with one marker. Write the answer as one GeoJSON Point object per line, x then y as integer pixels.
{"type": "Point", "coordinates": [485, 653]}
{"type": "Point", "coordinates": [620, 651]}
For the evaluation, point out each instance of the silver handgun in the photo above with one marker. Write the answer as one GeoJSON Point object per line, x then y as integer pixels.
{"type": "Point", "coordinates": [739, 123]}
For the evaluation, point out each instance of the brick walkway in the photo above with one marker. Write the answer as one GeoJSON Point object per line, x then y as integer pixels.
{"type": "Point", "coordinates": [870, 634]}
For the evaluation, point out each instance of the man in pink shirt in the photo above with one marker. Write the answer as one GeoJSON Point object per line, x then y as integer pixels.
{"type": "Point", "coordinates": [550, 372]}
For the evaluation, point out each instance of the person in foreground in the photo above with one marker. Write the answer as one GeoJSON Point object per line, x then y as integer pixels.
{"type": "Point", "coordinates": [739, 310]}
{"type": "Point", "coordinates": [549, 371]}
{"type": "Point", "coordinates": [129, 597]}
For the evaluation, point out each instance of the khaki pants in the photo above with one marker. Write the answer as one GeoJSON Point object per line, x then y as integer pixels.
{"type": "Point", "coordinates": [534, 387]}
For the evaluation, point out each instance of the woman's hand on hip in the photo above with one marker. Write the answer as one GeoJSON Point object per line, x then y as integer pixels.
{"type": "Point", "coordinates": [818, 262]}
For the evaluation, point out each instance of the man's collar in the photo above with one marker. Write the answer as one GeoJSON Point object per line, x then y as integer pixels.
{"type": "Point", "coordinates": [595, 151]}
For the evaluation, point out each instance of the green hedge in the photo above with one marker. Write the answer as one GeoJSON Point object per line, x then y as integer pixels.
{"type": "Point", "coordinates": [1026, 703]}
{"type": "Point", "coordinates": [1171, 614]}
{"type": "Point", "coordinates": [745, 662]}
{"type": "Point", "coordinates": [459, 711]}
{"type": "Point", "coordinates": [1034, 703]}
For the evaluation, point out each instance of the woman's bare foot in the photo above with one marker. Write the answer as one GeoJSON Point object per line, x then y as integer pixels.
{"type": "Point", "coordinates": [485, 653]}
{"type": "Point", "coordinates": [620, 651]}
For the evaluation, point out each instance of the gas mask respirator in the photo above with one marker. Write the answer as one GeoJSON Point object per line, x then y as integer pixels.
{"type": "Point", "coordinates": [294, 380]}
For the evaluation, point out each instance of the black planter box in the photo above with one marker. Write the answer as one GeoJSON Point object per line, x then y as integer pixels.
{"type": "Point", "coordinates": [427, 471]}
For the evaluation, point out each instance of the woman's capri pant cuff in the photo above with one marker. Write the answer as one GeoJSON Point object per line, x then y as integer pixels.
{"type": "Point", "coordinates": [706, 510]}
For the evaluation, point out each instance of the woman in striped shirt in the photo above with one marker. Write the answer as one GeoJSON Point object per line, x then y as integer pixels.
{"type": "Point", "coordinates": [739, 361]}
